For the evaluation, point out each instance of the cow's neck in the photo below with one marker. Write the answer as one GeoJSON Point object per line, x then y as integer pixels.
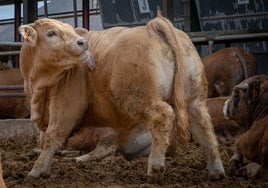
{"type": "Point", "coordinates": [44, 77]}
{"type": "Point", "coordinates": [260, 107]}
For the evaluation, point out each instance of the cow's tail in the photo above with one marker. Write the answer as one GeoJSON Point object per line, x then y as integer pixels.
{"type": "Point", "coordinates": [243, 64]}
{"type": "Point", "coordinates": [165, 29]}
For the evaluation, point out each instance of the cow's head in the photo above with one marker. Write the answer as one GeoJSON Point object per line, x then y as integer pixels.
{"type": "Point", "coordinates": [241, 105]}
{"type": "Point", "coordinates": [56, 44]}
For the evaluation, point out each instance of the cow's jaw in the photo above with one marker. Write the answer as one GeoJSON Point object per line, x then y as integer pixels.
{"type": "Point", "coordinates": [87, 57]}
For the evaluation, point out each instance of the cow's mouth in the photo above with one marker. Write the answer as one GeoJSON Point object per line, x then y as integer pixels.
{"type": "Point", "coordinates": [226, 111]}
{"type": "Point", "coordinates": [87, 57]}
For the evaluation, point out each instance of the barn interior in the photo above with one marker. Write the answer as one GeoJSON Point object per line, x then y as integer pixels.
{"type": "Point", "coordinates": [211, 25]}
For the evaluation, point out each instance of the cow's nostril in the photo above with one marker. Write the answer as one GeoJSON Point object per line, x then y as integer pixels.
{"type": "Point", "coordinates": [82, 43]}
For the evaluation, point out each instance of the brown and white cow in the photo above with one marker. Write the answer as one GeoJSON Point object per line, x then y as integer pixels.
{"type": "Point", "coordinates": [226, 68]}
{"type": "Point", "coordinates": [150, 74]}
{"type": "Point", "coordinates": [13, 107]}
{"type": "Point", "coordinates": [248, 106]}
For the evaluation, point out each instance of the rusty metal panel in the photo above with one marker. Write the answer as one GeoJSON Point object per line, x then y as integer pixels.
{"type": "Point", "coordinates": [251, 15]}
{"type": "Point", "coordinates": [128, 12]}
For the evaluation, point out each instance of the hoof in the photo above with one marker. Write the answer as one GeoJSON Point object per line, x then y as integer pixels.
{"type": "Point", "coordinates": [251, 170]}
{"type": "Point", "coordinates": [157, 175]}
{"type": "Point", "coordinates": [216, 177]}
{"type": "Point", "coordinates": [235, 165]}
{"type": "Point", "coordinates": [37, 175]}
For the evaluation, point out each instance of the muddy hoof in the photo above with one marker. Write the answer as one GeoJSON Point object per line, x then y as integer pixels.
{"type": "Point", "coordinates": [234, 167]}
{"type": "Point", "coordinates": [157, 175]}
{"type": "Point", "coordinates": [251, 170]}
{"type": "Point", "coordinates": [216, 177]}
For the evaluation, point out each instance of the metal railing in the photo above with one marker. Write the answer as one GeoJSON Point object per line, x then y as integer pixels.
{"type": "Point", "coordinates": [11, 87]}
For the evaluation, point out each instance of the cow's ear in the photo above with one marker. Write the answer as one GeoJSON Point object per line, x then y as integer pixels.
{"type": "Point", "coordinates": [29, 34]}
{"type": "Point", "coordinates": [254, 90]}
{"type": "Point", "coordinates": [82, 32]}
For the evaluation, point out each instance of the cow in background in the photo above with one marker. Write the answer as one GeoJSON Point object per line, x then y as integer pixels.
{"type": "Point", "coordinates": [9, 61]}
{"type": "Point", "coordinates": [248, 106]}
{"type": "Point", "coordinates": [226, 130]}
{"type": "Point", "coordinates": [150, 74]}
{"type": "Point", "coordinates": [13, 107]}
{"type": "Point", "coordinates": [226, 68]}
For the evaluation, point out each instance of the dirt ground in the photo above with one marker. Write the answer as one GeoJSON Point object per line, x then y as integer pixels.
{"type": "Point", "coordinates": [186, 169]}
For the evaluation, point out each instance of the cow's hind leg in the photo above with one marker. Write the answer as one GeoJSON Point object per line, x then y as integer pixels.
{"type": "Point", "coordinates": [202, 130]}
{"type": "Point", "coordinates": [160, 117]}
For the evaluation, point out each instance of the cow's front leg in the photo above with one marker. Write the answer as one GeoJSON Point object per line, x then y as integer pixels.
{"type": "Point", "coordinates": [62, 120]}
{"type": "Point", "coordinates": [236, 162]}
{"type": "Point", "coordinates": [106, 146]}
{"type": "Point", "coordinates": [52, 141]}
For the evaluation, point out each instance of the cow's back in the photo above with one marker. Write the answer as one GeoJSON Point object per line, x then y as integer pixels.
{"type": "Point", "coordinates": [226, 68]}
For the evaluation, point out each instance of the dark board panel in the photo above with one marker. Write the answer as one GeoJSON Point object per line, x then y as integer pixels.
{"type": "Point", "coordinates": [128, 12]}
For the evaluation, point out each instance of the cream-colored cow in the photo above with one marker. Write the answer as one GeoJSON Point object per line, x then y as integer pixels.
{"type": "Point", "coordinates": [150, 74]}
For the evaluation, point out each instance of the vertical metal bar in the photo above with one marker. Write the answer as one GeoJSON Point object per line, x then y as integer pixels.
{"type": "Point", "coordinates": [210, 46]}
{"type": "Point", "coordinates": [75, 13]}
{"type": "Point", "coordinates": [86, 14]}
{"type": "Point", "coordinates": [168, 9]}
{"type": "Point", "coordinates": [29, 11]}
{"type": "Point", "coordinates": [17, 20]}
{"type": "Point", "coordinates": [186, 10]}
{"type": "Point", "coordinates": [45, 9]}
{"type": "Point", "coordinates": [164, 12]}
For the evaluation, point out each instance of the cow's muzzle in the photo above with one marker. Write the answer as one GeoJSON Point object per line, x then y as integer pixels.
{"type": "Point", "coordinates": [226, 111]}
{"type": "Point", "coordinates": [82, 43]}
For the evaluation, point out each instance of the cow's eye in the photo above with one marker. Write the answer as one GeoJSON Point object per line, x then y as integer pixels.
{"type": "Point", "coordinates": [51, 33]}
{"type": "Point", "coordinates": [236, 98]}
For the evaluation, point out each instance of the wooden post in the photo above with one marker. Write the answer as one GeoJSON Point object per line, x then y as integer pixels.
{"type": "Point", "coordinates": [168, 9]}
{"type": "Point", "coordinates": [86, 14]}
{"type": "Point", "coordinates": [29, 11]}
{"type": "Point", "coordinates": [17, 17]}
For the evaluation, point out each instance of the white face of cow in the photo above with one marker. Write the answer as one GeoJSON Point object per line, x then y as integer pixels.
{"type": "Point", "coordinates": [57, 43]}
{"type": "Point", "coordinates": [238, 106]}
